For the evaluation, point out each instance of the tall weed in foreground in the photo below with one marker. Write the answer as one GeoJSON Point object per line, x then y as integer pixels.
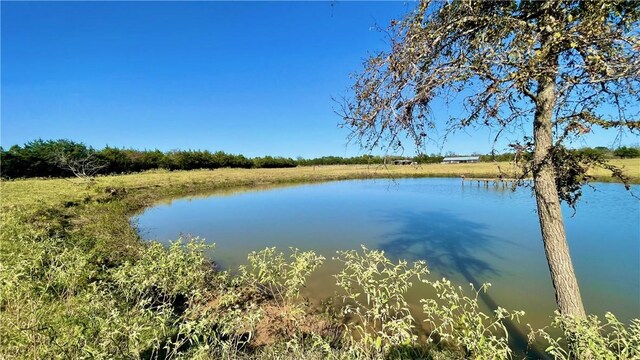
{"type": "Point", "coordinates": [178, 273]}
{"type": "Point", "coordinates": [54, 303]}
{"type": "Point", "coordinates": [457, 320]}
{"type": "Point", "coordinates": [591, 338]}
{"type": "Point", "coordinates": [259, 308]}
{"type": "Point", "coordinates": [269, 272]}
{"type": "Point", "coordinates": [169, 288]}
{"type": "Point", "coordinates": [375, 290]}
{"type": "Point", "coordinates": [41, 276]}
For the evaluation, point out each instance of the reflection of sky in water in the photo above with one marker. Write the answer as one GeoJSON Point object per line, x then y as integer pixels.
{"type": "Point", "coordinates": [469, 234]}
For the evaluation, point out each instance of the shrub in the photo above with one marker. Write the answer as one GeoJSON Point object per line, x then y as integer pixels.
{"type": "Point", "coordinates": [375, 291]}
{"type": "Point", "coordinates": [180, 272]}
{"type": "Point", "coordinates": [271, 274]}
{"type": "Point", "coordinates": [270, 162]}
{"type": "Point", "coordinates": [457, 321]}
{"type": "Point", "coordinates": [117, 160]}
{"type": "Point", "coordinates": [590, 338]}
{"type": "Point", "coordinates": [627, 152]}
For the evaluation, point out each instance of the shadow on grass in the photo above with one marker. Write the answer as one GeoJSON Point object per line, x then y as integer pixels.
{"type": "Point", "coordinates": [453, 246]}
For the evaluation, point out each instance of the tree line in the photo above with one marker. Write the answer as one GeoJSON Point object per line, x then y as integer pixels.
{"type": "Point", "coordinates": [64, 158]}
{"type": "Point", "coordinates": [60, 158]}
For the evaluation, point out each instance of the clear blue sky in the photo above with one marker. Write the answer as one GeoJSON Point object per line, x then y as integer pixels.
{"type": "Point", "coordinates": [255, 78]}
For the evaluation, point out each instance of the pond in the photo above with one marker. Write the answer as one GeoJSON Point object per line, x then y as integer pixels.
{"type": "Point", "coordinates": [467, 233]}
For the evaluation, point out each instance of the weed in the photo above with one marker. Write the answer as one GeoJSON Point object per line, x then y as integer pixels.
{"type": "Point", "coordinates": [375, 290]}
{"type": "Point", "coordinates": [456, 320]}
{"type": "Point", "coordinates": [269, 272]}
{"type": "Point", "coordinates": [590, 338]}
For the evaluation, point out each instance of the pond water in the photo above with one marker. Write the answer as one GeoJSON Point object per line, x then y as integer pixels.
{"type": "Point", "coordinates": [467, 233]}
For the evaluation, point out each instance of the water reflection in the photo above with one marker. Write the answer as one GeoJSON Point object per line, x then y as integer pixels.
{"type": "Point", "coordinates": [226, 192]}
{"type": "Point", "coordinates": [452, 246]}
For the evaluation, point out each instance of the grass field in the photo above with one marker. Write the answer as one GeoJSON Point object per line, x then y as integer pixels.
{"type": "Point", "coordinates": [159, 184]}
{"type": "Point", "coordinates": [77, 281]}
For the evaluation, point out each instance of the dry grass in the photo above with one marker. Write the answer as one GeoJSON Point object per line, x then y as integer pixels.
{"type": "Point", "coordinates": [631, 167]}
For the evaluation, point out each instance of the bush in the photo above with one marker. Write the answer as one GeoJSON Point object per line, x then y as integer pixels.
{"type": "Point", "coordinates": [179, 273]}
{"type": "Point", "coordinates": [627, 152]}
{"type": "Point", "coordinates": [590, 338]}
{"type": "Point", "coordinates": [39, 158]}
{"type": "Point", "coordinates": [457, 321]}
{"type": "Point", "coordinates": [117, 161]}
{"type": "Point", "coordinates": [375, 290]}
{"type": "Point", "coordinates": [270, 273]}
{"type": "Point", "coordinates": [270, 162]}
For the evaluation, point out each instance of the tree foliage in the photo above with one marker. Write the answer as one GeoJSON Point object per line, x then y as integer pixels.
{"type": "Point", "coordinates": [491, 57]}
{"type": "Point", "coordinates": [63, 158]}
{"type": "Point", "coordinates": [627, 152]}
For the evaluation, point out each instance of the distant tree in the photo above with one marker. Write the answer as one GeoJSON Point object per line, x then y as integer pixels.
{"type": "Point", "coordinates": [627, 152]}
{"type": "Point", "coordinates": [83, 162]}
{"type": "Point", "coordinates": [63, 158]}
{"type": "Point", "coordinates": [428, 159]}
{"type": "Point", "coordinates": [148, 159]}
{"type": "Point", "coordinates": [239, 161]}
{"type": "Point", "coordinates": [504, 157]}
{"type": "Point", "coordinates": [37, 157]}
{"type": "Point", "coordinates": [12, 163]}
{"type": "Point", "coordinates": [273, 162]}
{"type": "Point", "coordinates": [595, 152]}
{"type": "Point", "coordinates": [558, 65]}
{"type": "Point", "coordinates": [117, 161]}
{"type": "Point", "coordinates": [41, 158]}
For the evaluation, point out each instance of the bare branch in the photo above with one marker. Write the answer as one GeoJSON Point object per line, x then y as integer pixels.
{"type": "Point", "coordinates": [83, 166]}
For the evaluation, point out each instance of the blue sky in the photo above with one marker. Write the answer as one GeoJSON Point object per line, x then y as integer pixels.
{"type": "Point", "coordinates": [255, 78]}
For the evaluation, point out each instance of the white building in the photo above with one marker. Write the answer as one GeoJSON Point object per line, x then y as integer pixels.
{"type": "Point", "coordinates": [460, 159]}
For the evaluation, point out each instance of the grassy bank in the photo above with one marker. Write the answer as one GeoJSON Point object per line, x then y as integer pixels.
{"type": "Point", "coordinates": [162, 184]}
{"type": "Point", "coordinates": [77, 281]}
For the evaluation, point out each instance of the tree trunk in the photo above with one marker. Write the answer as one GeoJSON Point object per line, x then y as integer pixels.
{"type": "Point", "coordinates": [549, 212]}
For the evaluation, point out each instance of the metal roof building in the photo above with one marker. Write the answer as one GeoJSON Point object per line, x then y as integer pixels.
{"type": "Point", "coordinates": [460, 159]}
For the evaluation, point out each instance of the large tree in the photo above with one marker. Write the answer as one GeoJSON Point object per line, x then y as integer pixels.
{"type": "Point", "coordinates": [559, 68]}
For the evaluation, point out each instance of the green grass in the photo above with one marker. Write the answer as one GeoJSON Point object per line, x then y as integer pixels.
{"type": "Point", "coordinates": [77, 281]}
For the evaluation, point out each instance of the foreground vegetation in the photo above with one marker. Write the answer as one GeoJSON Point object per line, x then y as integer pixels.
{"type": "Point", "coordinates": [76, 281]}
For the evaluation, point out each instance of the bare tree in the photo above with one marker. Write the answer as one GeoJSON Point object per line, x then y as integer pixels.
{"type": "Point", "coordinates": [561, 67]}
{"type": "Point", "coordinates": [84, 165]}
